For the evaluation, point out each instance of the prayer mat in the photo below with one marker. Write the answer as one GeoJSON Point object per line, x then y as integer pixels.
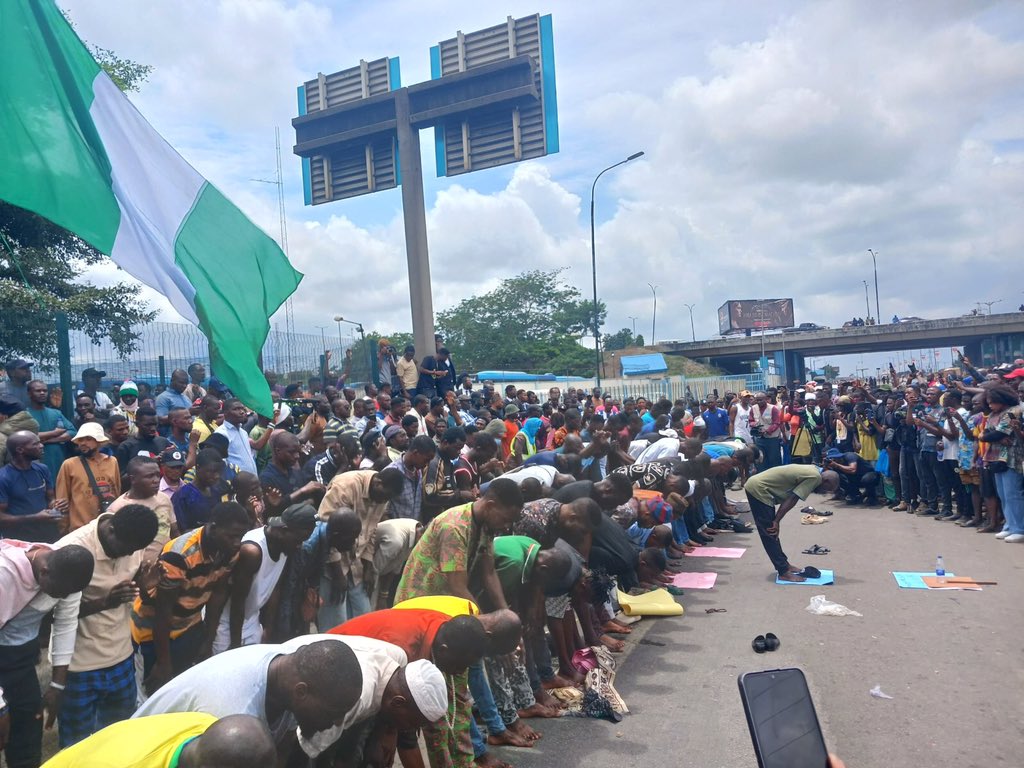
{"type": "Point", "coordinates": [913, 580]}
{"type": "Point", "coordinates": [717, 552]}
{"type": "Point", "coordinates": [826, 578]}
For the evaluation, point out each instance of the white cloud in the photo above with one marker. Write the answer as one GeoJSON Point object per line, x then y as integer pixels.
{"type": "Point", "coordinates": [782, 141]}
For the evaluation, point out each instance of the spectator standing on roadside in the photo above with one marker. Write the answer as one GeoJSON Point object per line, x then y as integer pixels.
{"type": "Point", "coordinates": [54, 430]}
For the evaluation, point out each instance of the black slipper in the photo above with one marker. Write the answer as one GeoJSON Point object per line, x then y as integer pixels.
{"type": "Point", "coordinates": [759, 645]}
{"type": "Point", "coordinates": [771, 642]}
{"type": "Point", "coordinates": [810, 572]}
{"type": "Point", "coordinates": [738, 526]}
{"type": "Point", "coordinates": [824, 513]}
{"type": "Point", "coordinates": [816, 550]}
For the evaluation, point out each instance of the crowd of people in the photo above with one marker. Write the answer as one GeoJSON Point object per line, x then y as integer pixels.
{"type": "Point", "coordinates": [435, 559]}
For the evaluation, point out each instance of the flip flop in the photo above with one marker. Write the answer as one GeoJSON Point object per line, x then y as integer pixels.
{"type": "Point", "coordinates": [771, 642]}
{"type": "Point", "coordinates": [824, 513]}
{"type": "Point", "coordinates": [738, 526]}
{"type": "Point", "coordinates": [714, 610]}
{"type": "Point", "coordinates": [816, 550]}
{"type": "Point", "coordinates": [758, 644]}
{"type": "Point", "coordinates": [812, 520]}
{"type": "Point", "coordinates": [810, 572]}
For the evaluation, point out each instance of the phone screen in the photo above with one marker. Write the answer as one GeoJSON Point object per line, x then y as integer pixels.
{"type": "Point", "coordinates": [783, 724]}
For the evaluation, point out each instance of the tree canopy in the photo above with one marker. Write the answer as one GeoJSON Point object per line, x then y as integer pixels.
{"type": "Point", "coordinates": [531, 322]}
{"type": "Point", "coordinates": [622, 340]}
{"type": "Point", "coordinates": [45, 273]}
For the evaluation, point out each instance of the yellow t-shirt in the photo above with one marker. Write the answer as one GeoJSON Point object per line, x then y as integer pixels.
{"type": "Point", "coordinates": [447, 604]}
{"type": "Point", "coordinates": [148, 742]}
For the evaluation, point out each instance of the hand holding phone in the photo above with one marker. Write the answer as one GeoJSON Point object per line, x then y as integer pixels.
{"type": "Point", "coordinates": [783, 724]}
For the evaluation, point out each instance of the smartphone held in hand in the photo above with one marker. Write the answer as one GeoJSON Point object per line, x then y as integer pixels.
{"type": "Point", "coordinates": [783, 723]}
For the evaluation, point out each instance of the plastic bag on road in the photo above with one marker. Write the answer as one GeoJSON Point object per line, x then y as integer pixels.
{"type": "Point", "coordinates": [822, 607]}
{"type": "Point", "coordinates": [878, 693]}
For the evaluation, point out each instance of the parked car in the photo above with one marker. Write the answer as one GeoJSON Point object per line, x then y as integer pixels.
{"type": "Point", "coordinates": [805, 327]}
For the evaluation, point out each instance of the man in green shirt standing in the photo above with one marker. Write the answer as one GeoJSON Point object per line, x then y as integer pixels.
{"type": "Point", "coordinates": [785, 486]}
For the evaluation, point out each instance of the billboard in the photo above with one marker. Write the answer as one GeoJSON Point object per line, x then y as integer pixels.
{"type": "Point", "coordinates": [358, 167]}
{"type": "Point", "coordinates": [754, 315]}
{"type": "Point", "coordinates": [486, 138]}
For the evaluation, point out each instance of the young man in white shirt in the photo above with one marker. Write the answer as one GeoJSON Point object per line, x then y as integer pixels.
{"type": "Point", "coordinates": [101, 687]}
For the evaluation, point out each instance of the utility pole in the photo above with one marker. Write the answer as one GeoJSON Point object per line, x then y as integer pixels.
{"type": "Point", "coordinates": [867, 301]}
{"type": "Point", "coordinates": [690, 307]}
{"type": "Point", "coordinates": [654, 317]}
{"type": "Point", "coordinates": [874, 264]}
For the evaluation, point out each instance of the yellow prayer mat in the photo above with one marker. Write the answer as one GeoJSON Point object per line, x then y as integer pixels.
{"type": "Point", "coordinates": [656, 603]}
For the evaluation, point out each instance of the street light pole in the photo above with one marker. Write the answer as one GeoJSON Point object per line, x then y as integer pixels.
{"type": "Point", "coordinates": [630, 317]}
{"type": "Point", "coordinates": [692, 331]}
{"type": "Point", "coordinates": [593, 265]}
{"type": "Point", "coordinates": [874, 264]}
{"type": "Point", "coordinates": [867, 301]}
{"type": "Point", "coordinates": [654, 317]}
{"type": "Point", "coordinates": [362, 335]}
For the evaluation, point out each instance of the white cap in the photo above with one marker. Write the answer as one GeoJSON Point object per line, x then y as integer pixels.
{"type": "Point", "coordinates": [428, 689]}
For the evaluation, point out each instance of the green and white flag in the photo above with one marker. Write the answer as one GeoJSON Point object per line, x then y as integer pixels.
{"type": "Point", "coordinates": [74, 150]}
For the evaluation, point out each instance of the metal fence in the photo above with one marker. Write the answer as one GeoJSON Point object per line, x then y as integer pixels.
{"type": "Point", "coordinates": [154, 350]}
{"type": "Point", "coordinates": [670, 387]}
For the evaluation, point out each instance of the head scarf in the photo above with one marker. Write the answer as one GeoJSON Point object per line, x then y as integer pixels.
{"type": "Point", "coordinates": [530, 428]}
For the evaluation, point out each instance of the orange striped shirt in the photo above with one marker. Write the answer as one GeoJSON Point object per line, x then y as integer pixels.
{"type": "Point", "coordinates": [185, 566]}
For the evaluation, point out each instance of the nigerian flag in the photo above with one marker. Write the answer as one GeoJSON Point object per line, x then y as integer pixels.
{"type": "Point", "coordinates": [74, 150]}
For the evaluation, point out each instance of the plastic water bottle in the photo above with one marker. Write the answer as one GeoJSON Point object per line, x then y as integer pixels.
{"type": "Point", "coordinates": [940, 568]}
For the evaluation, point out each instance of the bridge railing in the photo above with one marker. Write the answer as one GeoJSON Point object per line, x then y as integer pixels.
{"type": "Point", "coordinates": [668, 387]}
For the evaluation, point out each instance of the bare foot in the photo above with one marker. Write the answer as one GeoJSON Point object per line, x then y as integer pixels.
{"type": "Point", "coordinates": [614, 626]}
{"type": "Point", "coordinates": [508, 738]}
{"type": "Point", "coordinates": [546, 699]}
{"type": "Point", "coordinates": [522, 730]}
{"type": "Point", "coordinates": [791, 577]}
{"type": "Point", "coordinates": [489, 760]}
{"type": "Point", "coordinates": [539, 710]}
{"type": "Point", "coordinates": [693, 544]}
{"type": "Point", "coordinates": [557, 682]}
{"type": "Point", "coordinates": [613, 645]}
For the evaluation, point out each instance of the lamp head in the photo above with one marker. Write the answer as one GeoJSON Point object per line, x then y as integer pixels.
{"type": "Point", "coordinates": [634, 156]}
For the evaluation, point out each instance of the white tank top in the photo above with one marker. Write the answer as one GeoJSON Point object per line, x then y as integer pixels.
{"type": "Point", "coordinates": [743, 423]}
{"type": "Point", "coordinates": [263, 584]}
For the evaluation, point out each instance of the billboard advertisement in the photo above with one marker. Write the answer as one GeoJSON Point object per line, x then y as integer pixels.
{"type": "Point", "coordinates": [754, 315]}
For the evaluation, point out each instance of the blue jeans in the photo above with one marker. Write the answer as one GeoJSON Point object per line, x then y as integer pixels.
{"type": "Point", "coordinates": [908, 475]}
{"type": "Point", "coordinates": [706, 508]}
{"type": "Point", "coordinates": [928, 477]}
{"type": "Point", "coordinates": [483, 699]}
{"type": "Point", "coordinates": [1011, 495]}
{"type": "Point", "coordinates": [679, 533]}
{"type": "Point", "coordinates": [479, 744]}
{"type": "Point", "coordinates": [771, 452]}
{"type": "Point", "coordinates": [353, 603]}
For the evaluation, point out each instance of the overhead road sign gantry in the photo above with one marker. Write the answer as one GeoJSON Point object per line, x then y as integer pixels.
{"type": "Point", "coordinates": [358, 130]}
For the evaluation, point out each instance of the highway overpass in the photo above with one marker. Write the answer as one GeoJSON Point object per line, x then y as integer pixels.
{"type": "Point", "coordinates": [986, 339]}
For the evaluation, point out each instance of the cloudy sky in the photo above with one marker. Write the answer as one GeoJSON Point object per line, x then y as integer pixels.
{"type": "Point", "coordinates": [783, 139]}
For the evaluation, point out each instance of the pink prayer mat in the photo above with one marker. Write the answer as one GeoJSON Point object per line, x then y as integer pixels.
{"type": "Point", "coordinates": [694, 580]}
{"type": "Point", "coordinates": [717, 552]}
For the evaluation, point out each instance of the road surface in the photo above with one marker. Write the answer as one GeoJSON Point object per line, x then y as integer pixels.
{"type": "Point", "coordinates": [952, 661]}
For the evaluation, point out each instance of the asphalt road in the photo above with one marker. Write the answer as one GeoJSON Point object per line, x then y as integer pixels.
{"type": "Point", "coordinates": [951, 660]}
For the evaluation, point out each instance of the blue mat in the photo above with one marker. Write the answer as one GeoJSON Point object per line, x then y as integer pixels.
{"type": "Point", "coordinates": [826, 578]}
{"type": "Point", "coordinates": [912, 580]}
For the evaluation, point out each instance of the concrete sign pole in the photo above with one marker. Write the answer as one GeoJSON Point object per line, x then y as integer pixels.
{"type": "Point", "coordinates": [415, 228]}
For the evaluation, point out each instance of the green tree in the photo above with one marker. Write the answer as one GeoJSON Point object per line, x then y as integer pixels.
{"type": "Point", "coordinates": [531, 322]}
{"type": "Point", "coordinates": [44, 273]}
{"type": "Point", "coordinates": [621, 340]}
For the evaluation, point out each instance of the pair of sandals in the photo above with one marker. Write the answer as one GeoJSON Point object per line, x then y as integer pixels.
{"type": "Point", "coordinates": [813, 511]}
{"type": "Point", "coordinates": [816, 550]}
{"type": "Point", "coordinates": [767, 642]}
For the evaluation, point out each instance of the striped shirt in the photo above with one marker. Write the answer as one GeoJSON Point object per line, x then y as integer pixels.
{"type": "Point", "coordinates": [185, 566]}
{"type": "Point", "coordinates": [336, 428]}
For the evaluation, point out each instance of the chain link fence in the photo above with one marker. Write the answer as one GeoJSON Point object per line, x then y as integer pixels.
{"type": "Point", "coordinates": [154, 350]}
